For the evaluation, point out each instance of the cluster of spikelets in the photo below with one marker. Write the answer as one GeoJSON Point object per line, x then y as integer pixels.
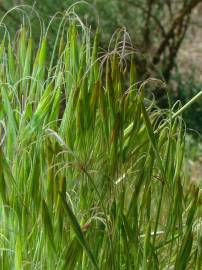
{"type": "Point", "coordinates": [90, 177]}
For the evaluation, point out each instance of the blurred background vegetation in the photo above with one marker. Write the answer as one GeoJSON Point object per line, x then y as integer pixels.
{"type": "Point", "coordinates": [166, 35]}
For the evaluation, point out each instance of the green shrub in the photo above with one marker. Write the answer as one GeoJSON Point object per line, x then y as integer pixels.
{"type": "Point", "coordinates": [186, 88]}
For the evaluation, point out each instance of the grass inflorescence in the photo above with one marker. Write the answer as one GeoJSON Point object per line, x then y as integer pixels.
{"type": "Point", "coordinates": [90, 171]}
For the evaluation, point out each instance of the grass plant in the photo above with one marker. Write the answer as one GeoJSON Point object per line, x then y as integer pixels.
{"type": "Point", "coordinates": [90, 170]}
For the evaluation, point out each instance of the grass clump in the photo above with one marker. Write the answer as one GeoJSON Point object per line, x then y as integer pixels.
{"type": "Point", "coordinates": [90, 171]}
